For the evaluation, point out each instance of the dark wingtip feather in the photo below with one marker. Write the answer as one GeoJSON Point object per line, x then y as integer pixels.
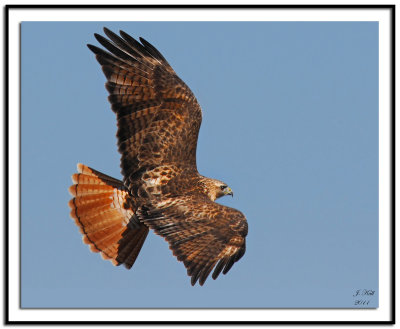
{"type": "Point", "coordinates": [124, 34]}
{"type": "Point", "coordinates": [152, 50]}
{"type": "Point", "coordinates": [93, 48]}
{"type": "Point", "coordinates": [106, 30]}
{"type": "Point", "coordinates": [111, 34]}
{"type": "Point", "coordinates": [132, 41]}
{"type": "Point", "coordinates": [128, 266]}
{"type": "Point", "coordinates": [219, 268]}
{"type": "Point", "coordinates": [205, 273]}
{"type": "Point", "coordinates": [193, 281]}
{"type": "Point", "coordinates": [240, 253]}
{"type": "Point", "coordinates": [229, 265]}
{"type": "Point", "coordinates": [98, 37]}
{"type": "Point", "coordinates": [121, 43]}
{"type": "Point", "coordinates": [104, 42]}
{"type": "Point", "coordinates": [144, 41]}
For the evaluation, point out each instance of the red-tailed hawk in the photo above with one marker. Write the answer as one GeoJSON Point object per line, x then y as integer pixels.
{"type": "Point", "coordinates": [158, 124]}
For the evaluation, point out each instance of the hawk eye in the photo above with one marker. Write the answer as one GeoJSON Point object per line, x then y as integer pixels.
{"type": "Point", "coordinates": [223, 187]}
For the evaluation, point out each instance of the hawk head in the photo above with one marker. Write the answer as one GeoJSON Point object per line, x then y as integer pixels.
{"type": "Point", "coordinates": [215, 188]}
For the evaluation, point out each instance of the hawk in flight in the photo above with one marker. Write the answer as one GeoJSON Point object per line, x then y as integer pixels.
{"type": "Point", "coordinates": [158, 120]}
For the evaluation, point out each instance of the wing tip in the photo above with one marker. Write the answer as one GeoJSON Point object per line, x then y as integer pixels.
{"type": "Point", "coordinates": [194, 279]}
{"type": "Point", "coordinates": [110, 34]}
{"type": "Point", "coordinates": [91, 47]}
{"type": "Point", "coordinates": [98, 37]}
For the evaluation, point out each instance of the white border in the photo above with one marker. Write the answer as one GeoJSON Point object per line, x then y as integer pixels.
{"type": "Point", "coordinates": [383, 16]}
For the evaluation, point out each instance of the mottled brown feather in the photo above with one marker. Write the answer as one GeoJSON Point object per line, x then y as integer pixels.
{"type": "Point", "coordinates": [139, 79]}
{"type": "Point", "coordinates": [200, 233]}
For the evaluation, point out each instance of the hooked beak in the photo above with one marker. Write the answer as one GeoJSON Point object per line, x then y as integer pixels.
{"type": "Point", "coordinates": [229, 192]}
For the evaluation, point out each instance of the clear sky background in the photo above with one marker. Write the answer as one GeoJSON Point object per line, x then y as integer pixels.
{"type": "Point", "coordinates": [290, 122]}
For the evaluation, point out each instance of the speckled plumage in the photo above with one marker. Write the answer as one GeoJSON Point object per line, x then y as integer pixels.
{"type": "Point", "coordinates": [158, 120]}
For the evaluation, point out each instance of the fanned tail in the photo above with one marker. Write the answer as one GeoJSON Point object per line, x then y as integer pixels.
{"type": "Point", "coordinates": [102, 209]}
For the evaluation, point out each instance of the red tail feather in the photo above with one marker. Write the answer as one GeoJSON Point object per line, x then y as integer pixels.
{"type": "Point", "coordinates": [102, 211]}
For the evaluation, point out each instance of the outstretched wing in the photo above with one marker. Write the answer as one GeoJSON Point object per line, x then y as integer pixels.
{"type": "Point", "coordinates": [158, 116]}
{"type": "Point", "coordinates": [201, 233]}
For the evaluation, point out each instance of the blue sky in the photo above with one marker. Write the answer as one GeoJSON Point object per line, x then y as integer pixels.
{"type": "Point", "coordinates": [290, 122]}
